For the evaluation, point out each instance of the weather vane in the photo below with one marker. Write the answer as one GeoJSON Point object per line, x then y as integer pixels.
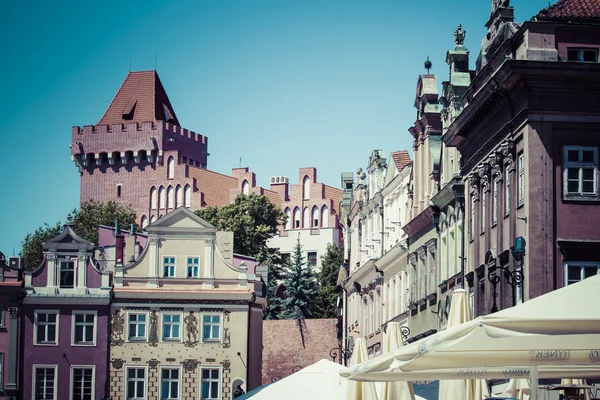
{"type": "Point", "coordinates": [427, 65]}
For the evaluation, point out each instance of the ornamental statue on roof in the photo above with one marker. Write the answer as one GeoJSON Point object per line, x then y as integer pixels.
{"type": "Point", "coordinates": [459, 35]}
{"type": "Point", "coordinates": [496, 4]}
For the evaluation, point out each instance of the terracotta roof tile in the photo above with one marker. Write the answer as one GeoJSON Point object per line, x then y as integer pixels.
{"type": "Point", "coordinates": [141, 98]}
{"type": "Point", "coordinates": [572, 9]}
{"type": "Point", "coordinates": [401, 159]}
{"type": "Point", "coordinates": [215, 187]}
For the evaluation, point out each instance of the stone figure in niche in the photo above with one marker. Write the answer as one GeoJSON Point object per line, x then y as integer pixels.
{"type": "Point", "coordinates": [191, 329]}
{"type": "Point", "coordinates": [153, 338]}
{"type": "Point", "coordinates": [117, 323]}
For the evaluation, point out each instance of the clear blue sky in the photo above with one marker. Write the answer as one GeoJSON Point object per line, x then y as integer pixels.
{"type": "Point", "coordinates": [282, 84]}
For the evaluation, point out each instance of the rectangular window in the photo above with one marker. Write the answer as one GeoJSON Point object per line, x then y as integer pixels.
{"type": "Point", "coordinates": [210, 383]}
{"type": "Point", "coordinates": [46, 327]}
{"type": "Point", "coordinates": [521, 187]}
{"type": "Point", "coordinates": [211, 327]}
{"type": "Point", "coordinates": [580, 169]}
{"type": "Point", "coordinates": [82, 383]}
{"type": "Point", "coordinates": [171, 326]}
{"type": "Point", "coordinates": [84, 328]}
{"type": "Point", "coordinates": [312, 259]}
{"type": "Point", "coordinates": [169, 267]}
{"type": "Point", "coordinates": [483, 211]}
{"type": "Point", "coordinates": [582, 55]}
{"type": "Point", "coordinates": [193, 267]}
{"type": "Point", "coordinates": [137, 326]}
{"type": "Point", "coordinates": [67, 274]}
{"type": "Point", "coordinates": [136, 383]}
{"type": "Point", "coordinates": [580, 270]}
{"type": "Point", "coordinates": [45, 383]}
{"type": "Point", "coordinates": [495, 188]}
{"type": "Point", "coordinates": [507, 190]}
{"type": "Point", "coordinates": [169, 384]}
{"type": "Point", "coordinates": [119, 191]}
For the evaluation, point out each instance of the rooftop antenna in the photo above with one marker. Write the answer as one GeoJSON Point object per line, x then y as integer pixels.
{"type": "Point", "coordinates": [427, 65]}
{"type": "Point", "coordinates": [155, 61]}
{"type": "Point", "coordinates": [130, 63]}
{"type": "Point", "coordinates": [240, 162]}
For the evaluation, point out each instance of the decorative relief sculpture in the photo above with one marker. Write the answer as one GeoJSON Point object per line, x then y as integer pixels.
{"type": "Point", "coordinates": [190, 365]}
{"type": "Point", "coordinates": [153, 337]}
{"type": "Point", "coordinates": [117, 324]}
{"type": "Point", "coordinates": [226, 315]}
{"type": "Point", "coordinates": [484, 176]}
{"type": "Point", "coordinates": [14, 312]}
{"type": "Point", "coordinates": [117, 363]}
{"type": "Point", "coordinates": [496, 165]}
{"type": "Point", "coordinates": [507, 149]}
{"type": "Point", "coordinates": [226, 364]}
{"type": "Point", "coordinates": [474, 184]}
{"type": "Point", "coordinates": [226, 338]}
{"type": "Point", "coordinates": [153, 363]}
{"type": "Point", "coordinates": [191, 330]}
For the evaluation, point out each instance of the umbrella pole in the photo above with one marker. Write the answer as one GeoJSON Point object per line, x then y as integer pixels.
{"type": "Point", "coordinates": [534, 382]}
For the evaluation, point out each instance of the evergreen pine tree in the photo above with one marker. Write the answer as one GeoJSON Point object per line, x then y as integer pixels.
{"type": "Point", "coordinates": [326, 302]}
{"type": "Point", "coordinates": [300, 288]}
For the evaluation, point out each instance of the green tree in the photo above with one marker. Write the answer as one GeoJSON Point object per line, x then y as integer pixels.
{"type": "Point", "coordinates": [32, 250]}
{"type": "Point", "coordinates": [326, 302]}
{"type": "Point", "coordinates": [253, 221]}
{"type": "Point", "coordinates": [300, 287]}
{"type": "Point", "coordinates": [275, 266]}
{"type": "Point", "coordinates": [85, 223]}
{"type": "Point", "coordinates": [92, 213]}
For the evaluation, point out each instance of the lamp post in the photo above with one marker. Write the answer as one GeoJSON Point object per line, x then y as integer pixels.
{"type": "Point", "coordinates": [343, 354]}
{"type": "Point", "coordinates": [514, 278]}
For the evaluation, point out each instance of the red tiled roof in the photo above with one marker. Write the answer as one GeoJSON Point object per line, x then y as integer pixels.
{"type": "Point", "coordinates": [215, 187]}
{"type": "Point", "coordinates": [572, 9]}
{"type": "Point", "coordinates": [401, 158]}
{"type": "Point", "coordinates": [141, 98]}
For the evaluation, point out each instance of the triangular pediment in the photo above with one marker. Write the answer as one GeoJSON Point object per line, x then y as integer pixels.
{"type": "Point", "coordinates": [181, 218]}
{"type": "Point", "coordinates": [67, 236]}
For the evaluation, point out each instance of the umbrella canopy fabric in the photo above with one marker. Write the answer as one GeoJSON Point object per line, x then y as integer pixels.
{"type": "Point", "coordinates": [392, 341]}
{"type": "Point", "coordinates": [356, 390]}
{"type": "Point", "coordinates": [519, 389]}
{"type": "Point", "coordinates": [560, 329]}
{"type": "Point", "coordinates": [320, 380]}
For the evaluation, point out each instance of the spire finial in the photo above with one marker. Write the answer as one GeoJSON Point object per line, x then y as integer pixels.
{"type": "Point", "coordinates": [427, 65]}
{"type": "Point", "coordinates": [459, 35]}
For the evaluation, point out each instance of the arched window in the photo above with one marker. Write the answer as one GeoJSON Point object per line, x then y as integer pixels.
{"type": "Point", "coordinates": [153, 198]}
{"type": "Point", "coordinates": [306, 188]}
{"type": "Point", "coordinates": [288, 213]}
{"type": "Point", "coordinates": [170, 197]}
{"type": "Point", "coordinates": [179, 196]}
{"type": "Point", "coordinates": [171, 168]}
{"type": "Point", "coordinates": [296, 217]}
{"type": "Point", "coordinates": [315, 217]}
{"type": "Point", "coordinates": [245, 187]}
{"type": "Point", "coordinates": [325, 217]}
{"type": "Point", "coordinates": [161, 197]}
{"type": "Point", "coordinates": [144, 222]}
{"type": "Point", "coordinates": [152, 219]}
{"type": "Point", "coordinates": [187, 196]}
{"type": "Point", "coordinates": [306, 218]}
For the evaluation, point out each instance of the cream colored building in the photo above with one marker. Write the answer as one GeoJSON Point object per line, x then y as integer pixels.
{"type": "Point", "coordinates": [185, 322]}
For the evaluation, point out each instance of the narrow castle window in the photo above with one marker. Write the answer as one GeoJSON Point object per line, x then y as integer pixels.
{"type": "Point", "coordinates": [306, 188]}
{"type": "Point", "coordinates": [171, 168]}
{"type": "Point", "coordinates": [119, 191]}
{"type": "Point", "coordinates": [187, 196]}
{"type": "Point", "coordinates": [245, 187]}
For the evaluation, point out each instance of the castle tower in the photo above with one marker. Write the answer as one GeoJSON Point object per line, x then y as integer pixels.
{"type": "Point", "coordinates": [138, 154]}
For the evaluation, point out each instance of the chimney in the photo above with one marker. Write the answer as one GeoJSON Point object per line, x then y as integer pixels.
{"type": "Point", "coordinates": [280, 184]}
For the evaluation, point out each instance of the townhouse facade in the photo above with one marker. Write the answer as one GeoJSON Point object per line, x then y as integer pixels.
{"type": "Point", "coordinates": [529, 155]}
{"type": "Point", "coordinates": [65, 322]}
{"type": "Point", "coordinates": [11, 296]}
{"type": "Point", "coordinates": [186, 319]}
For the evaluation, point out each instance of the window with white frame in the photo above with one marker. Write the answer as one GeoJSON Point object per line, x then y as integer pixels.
{"type": "Point", "coordinates": [495, 188]}
{"type": "Point", "coordinates": [46, 327]}
{"type": "Point", "coordinates": [169, 384]}
{"type": "Point", "coordinates": [67, 274]}
{"type": "Point", "coordinates": [211, 327]}
{"type": "Point", "coordinates": [576, 271]}
{"type": "Point", "coordinates": [44, 387]}
{"type": "Point", "coordinates": [84, 328]}
{"type": "Point", "coordinates": [507, 190]}
{"type": "Point", "coordinates": [82, 383]}
{"type": "Point", "coordinates": [311, 259]}
{"type": "Point", "coordinates": [171, 326]}
{"type": "Point", "coordinates": [209, 381]}
{"type": "Point", "coordinates": [521, 179]}
{"type": "Point", "coordinates": [193, 267]}
{"type": "Point", "coordinates": [580, 169]}
{"type": "Point", "coordinates": [136, 383]}
{"type": "Point", "coordinates": [582, 54]}
{"type": "Point", "coordinates": [169, 267]}
{"type": "Point", "coordinates": [137, 326]}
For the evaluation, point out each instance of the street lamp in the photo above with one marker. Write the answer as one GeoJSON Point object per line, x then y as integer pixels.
{"type": "Point", "coordinates": [514, 278]}
{"type": "Point", "coordinates": [343, 354]}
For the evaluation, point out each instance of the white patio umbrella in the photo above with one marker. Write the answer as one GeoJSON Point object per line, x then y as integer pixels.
{"type": "Point", "coordinates": [586, 394]}
{"type": "Point", "coordinates": [356, 390]}
{"type": "Point", "coordinates": [519, 388]}
{"type": "Point", "coordinates": [460, 389]}
{"type": "Point", "coordinates": [392, 341]}
{"type": "Point", "coordinates": [560, 329]}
